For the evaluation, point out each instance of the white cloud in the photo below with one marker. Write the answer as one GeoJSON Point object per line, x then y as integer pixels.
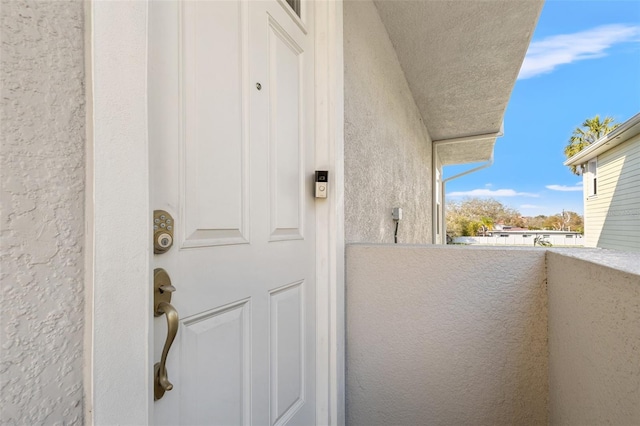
{"type": "Point", "coordinates": [491, 193]}
{"type": "Point", "coordinates": [564, 188]}
{"type": "Point", "coordinates": [530, 206]}
{"type": "Point", "coordinates": [488, 185]}
{"type": "Point", "coordinates": [545, 55]}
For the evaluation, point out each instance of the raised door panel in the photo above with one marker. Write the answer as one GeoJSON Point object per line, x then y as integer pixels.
{"type": "Point", "coordinates": [214, 148]}
{"type": "Point", "coordinates": [215, 370]}
{"type": "Point", "coordinates": [287, 351]}
{"type": "Point", "coordinates": [286, 152]}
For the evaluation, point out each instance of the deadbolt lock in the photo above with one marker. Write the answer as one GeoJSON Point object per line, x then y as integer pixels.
{"type": "Point", "coordinates": [163, 227]}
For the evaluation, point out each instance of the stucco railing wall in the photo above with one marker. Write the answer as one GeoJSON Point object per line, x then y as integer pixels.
{"type": "Point", "coordinates": [594, 337]}
{"type": "Point", "coordinates": [446, 335]}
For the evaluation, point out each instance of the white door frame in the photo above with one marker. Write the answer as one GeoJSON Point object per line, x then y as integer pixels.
{"type": "Point", "coordinates": [118, 355]}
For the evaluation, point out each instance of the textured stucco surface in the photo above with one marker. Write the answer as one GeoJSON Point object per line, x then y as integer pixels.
{"type": "Point", "coordinates": [446, 336]}
{"type": "Point", "coordinates": [461, 58]}
{"type": "Point", "coordinates": [594, 340]}
{"type": "Point", "coordinates": [42, 173]}
{"type": "Point", "coordinates": [467, 152]}
{"type": "Point", "coordinates": [623, 261]}
{"type": "Point", "coordinates": [387, 147]}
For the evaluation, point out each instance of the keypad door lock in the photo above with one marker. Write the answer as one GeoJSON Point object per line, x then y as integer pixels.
{"type": "Point", "coordinates": [163, 227]}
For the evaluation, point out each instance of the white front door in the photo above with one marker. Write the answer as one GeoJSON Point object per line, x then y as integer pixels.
{"type": "Point", "coordinates": [231, 128]}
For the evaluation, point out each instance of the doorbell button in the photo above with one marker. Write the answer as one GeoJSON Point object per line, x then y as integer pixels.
{"type": "Point", "coordinates": [322, 179]}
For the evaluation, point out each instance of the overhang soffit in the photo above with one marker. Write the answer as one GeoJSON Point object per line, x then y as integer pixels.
{"type": "Point", "coordinates": [461, 58]}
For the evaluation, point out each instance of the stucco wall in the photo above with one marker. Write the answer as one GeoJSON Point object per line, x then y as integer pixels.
{"type": "Point", "coordinates": [387, 147]}
{"type": "Point", "coordinates": [594, 338]}
{"type": "Point", "coordinates": [42, 174]}
{"type": "Point", "coordinates": [446, 336]}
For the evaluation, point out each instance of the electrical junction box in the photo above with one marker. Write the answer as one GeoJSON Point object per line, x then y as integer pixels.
{"type": "Point", "coordinates": [396, 213]}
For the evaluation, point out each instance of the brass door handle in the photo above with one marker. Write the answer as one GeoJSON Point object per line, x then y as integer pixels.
{"type": "Point", "coordinates": [161, 298]}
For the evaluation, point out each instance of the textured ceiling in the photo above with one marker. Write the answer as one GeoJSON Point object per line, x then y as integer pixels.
{"type": "Point", "coordinates": [461, 58]}
{"type": "Point", "coordinates": [471, 151]}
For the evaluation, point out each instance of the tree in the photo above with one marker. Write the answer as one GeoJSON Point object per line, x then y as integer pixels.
{"type": "Point", "coordinates": [459, 226]}
{"type": "Point", "coordinates": [473, 215]}
{"type": "Point", "coordinates": [473, 228]}
{"type": "Point", "coordinates": [576, 222]}
{"type": "Point", "coordinates": [553, 222]}
{"type": "Point", "coordinates": [486, 224]}
{"type": "Point", "coordinates": [565, 221]}
{"type": "Point", "coordinates": [535, 222]}
{"type": "Point", "coordinates": [590, 131]}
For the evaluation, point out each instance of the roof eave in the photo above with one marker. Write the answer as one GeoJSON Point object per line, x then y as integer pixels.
{"type": "Point", "coordinates": [460, 59]}
{"type": "Point", "coordinates": [465, 150]}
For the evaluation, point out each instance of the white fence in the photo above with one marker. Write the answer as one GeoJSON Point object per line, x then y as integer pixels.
{"type": "Point", "coordinates": [523, 239]}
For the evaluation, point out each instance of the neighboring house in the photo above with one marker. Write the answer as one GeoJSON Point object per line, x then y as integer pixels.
{"type": "Point", "coordinates": [158, 162]}
{"type": "Point", "coordinates": [611, 185]}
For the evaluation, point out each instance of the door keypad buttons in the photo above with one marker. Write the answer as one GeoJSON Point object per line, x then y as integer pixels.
{"type": "Point", "coordinates": [162, 231]}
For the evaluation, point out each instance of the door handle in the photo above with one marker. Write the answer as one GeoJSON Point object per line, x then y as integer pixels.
{"type": "Point", "coordinates": [162, 306]}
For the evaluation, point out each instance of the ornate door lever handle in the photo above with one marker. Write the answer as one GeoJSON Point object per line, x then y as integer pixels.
{"type": "Point", "coordinates": [161, 298]}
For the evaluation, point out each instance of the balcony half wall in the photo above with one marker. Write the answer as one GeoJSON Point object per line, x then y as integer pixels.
{"type": "Point", "coordinates": [482, 335]}
{"type": "Point", "coordinates": [594, 337]}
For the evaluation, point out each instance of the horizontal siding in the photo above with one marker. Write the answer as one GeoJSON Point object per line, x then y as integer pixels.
{"type": "Point", "coordinates": [619, 218]}
{"type": "Point", "coordinates": [612, 179]}
{"type": "Point", "coordinates": [629, 148]}
{"type": "Point", "coordinates": [614, 236]}
{"type": "Point", "coordinates": [612, 218]}
{"type": "Point", "coordinates": [618, 244]}
{"type": "Point", "coordinates": [608, 209]}
{"type": "Point", "coordinates": [615, 240]}
{"type": "Point", "coordinates": [623, 189]}
{"type": "Point", "coordinates": [623, 149]}
{"type": "Point", "coordinates": [632, 154]}
{"type": "Point", "coordinates": [621, 232]}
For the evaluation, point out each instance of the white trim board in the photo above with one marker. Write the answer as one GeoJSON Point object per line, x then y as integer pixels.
{"type": "Point", "coordinates": [330, 244]}
{"type": "Point", "coordinates": [121, 314]}
{"type": "Point", "coordinates": [119, 343]}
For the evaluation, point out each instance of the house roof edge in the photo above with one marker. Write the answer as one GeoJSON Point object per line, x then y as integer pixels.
{"type": "Point", "coordinates": [622, 133]}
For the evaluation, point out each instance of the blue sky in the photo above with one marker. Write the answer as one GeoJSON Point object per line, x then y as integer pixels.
{"type": "Point", "coordinates": [584, 60]}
